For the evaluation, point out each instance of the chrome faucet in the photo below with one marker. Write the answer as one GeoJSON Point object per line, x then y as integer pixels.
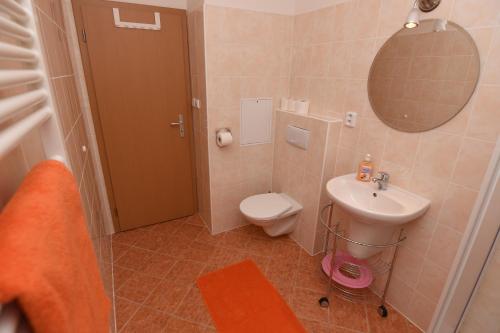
{"type": "Point", "coordinates": [382, 179]}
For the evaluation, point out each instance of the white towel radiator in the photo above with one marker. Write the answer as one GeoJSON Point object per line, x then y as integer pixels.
{"type": "Point", "coordinates": [25, 104]}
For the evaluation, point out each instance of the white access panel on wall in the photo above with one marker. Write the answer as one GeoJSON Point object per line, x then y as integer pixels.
{"type": "Point", "coordinates": [256, 121]}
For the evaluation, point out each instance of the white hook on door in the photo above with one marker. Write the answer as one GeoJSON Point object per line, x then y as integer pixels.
{"type": "Point", "coordinates": [133, 25]}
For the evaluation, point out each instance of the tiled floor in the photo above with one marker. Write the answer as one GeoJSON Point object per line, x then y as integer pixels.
{"type": "Point", "coordinates": [155, 269]}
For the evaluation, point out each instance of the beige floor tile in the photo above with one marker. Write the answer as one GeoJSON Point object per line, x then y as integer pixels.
{"type": "Point", "coordinates": [147, 320]}
{"type": "Point", "coordinates": [138, 287]}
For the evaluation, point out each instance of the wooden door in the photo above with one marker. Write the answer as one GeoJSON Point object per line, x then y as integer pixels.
{"type": "Point", "coordinates": [140, 82]}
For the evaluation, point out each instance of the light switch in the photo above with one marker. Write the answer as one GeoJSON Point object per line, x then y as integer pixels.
{"type": "Point", "coordinates": [195, 103]}
{"type": "Point", "coordinates": [297, 136]}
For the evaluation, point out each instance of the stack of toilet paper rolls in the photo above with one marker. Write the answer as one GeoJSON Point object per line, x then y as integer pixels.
{"type": "Point", "coordinates": [300, 106]}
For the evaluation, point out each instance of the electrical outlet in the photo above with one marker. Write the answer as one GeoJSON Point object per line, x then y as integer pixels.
{"type": "Point", "coordinates": [351, 119]}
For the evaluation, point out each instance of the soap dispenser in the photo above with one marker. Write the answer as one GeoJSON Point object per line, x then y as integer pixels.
{"type": "Point", "coordinates": [365, 169]}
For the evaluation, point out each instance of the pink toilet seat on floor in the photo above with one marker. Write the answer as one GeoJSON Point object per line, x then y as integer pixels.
{"type": "Point", "coordinates": [365, 278]}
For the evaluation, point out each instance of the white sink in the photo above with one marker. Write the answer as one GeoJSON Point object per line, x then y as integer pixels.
{"type": "Point", "coordinates": [376, 214]}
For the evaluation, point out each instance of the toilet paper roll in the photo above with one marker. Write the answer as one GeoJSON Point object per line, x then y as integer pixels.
{"type": "Point", "coordinates": [302, 106]}
{"type": "Point", "coordinates": [224, 138]}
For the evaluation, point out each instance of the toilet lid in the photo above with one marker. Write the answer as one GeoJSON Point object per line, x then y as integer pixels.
{"type": "Point", "coordinates": [265, 206]}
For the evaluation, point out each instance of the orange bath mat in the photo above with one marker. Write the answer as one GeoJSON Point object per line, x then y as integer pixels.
{"type": "Point", "coordinates": [240, 300]}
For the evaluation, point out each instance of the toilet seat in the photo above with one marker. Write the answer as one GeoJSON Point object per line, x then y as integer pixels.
{"type": "Point", "coordinates": [266, 206]}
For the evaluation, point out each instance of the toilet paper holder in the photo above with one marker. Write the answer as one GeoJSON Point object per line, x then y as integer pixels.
{"type": "Point", "coordinates": [219, 131]}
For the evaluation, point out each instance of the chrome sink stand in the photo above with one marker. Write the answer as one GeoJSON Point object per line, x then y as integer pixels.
{"type": "Point", "coordinates": [379, 267]}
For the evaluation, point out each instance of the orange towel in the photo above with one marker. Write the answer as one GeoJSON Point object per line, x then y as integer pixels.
{"type": "Point", "coordinates": [47, 262]}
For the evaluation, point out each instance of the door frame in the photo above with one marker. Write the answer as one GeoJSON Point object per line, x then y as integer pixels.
{"type": "Point", "coordinates": [473, 254]}
{"type": "Point", "coordinates": [89, 82]}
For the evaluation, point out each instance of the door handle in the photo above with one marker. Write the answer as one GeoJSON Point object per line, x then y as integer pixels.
{"type": "Point", "coordinates": [179, 123]}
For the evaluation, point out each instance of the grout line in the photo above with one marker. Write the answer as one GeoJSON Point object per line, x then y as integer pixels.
{"type": "Point", "coordinates": [73, 126]}
{"type": "Point", "coordinates": [51, 20]}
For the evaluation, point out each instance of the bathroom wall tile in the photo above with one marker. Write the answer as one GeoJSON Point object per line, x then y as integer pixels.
{"type": "Point", "coordinates": [392, 14]}
{"type": "Point", "coordinates": [419, 234]}
{"type": "Point", "coordinates": [345, 161]}
{"type": "Point", "coordinates": [409, 266]}
{"type": "Point", "coordinates": [400, 147]}
{"type": "Point", "coordinates": [301, 63]}
{"type": "Point", "coordinates": [342, 21]}
{"type": "Point", "coordinates": [399, 175]}
{"type": "Point", "coordinates": [361, 61]}
{"type": "Point", "coordinates": [55, 46]}
{"type": "Point", "coordinates": [433, 189]}
{"type": "Point", "coordinates": [472, 163]}
{"type": "Point", "coordinates": [247, 26]}
{"type": "Point", "coordinates": [399, 294]}
{"type": "Point", "coordinates": [223, 92]}
{"type": "Point", "coordinates": [421, 310]}
{"type": "Point", "coordinates": [457, 207]}
{"type": "Point", "coordinates": [432, 280]}
{"type": "Point", "coordinates": [483, 37]}
{"type": "Point", "coordinates": [214, 24]}
{"type": "Point", "coordinates": [33, 151]}
{"type": "Point", "coordinates": [458, 124]}
{"type": "Point", "coordinates": [366, 13]}
{"type": "Point", "coordinates": [321, 55]}
{"type": "Point", "coordinates": [356, 96]}
{"type": "Point", "coordinates": [484, 14]}
{"type": "Point", "coordinates": [12, 173]}
{"type": "Point", "coordinates": [336, 95]}
{"type": "Point", "coordinates": [483, 122]}
{"type": "Point", "coordinates": [317, 95]}
{"type": "Point", "coordinates": [62, 104]}
{"type": "Point", "coordinates": [444, 245]}
{"type": "Point", "coordinates": [372, 137]}
{"type": "Point", "coordinates": [303, 28]}
{"type": "Point", "coordinates": [323, 25]}
{"type": "Point", "coordinates": [340, 59]}
{"type": "Point", "coordinates": [492, 69]}
{"type": "Point", "coordinates": [53, 9]}
{"type": "Point", "coordinates": [349, 137]}
{"type": "Point", "coordinates": [437, 154]}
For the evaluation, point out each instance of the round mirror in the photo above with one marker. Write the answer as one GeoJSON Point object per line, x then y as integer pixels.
{"type": "Point", "coordinates": [423, 77]}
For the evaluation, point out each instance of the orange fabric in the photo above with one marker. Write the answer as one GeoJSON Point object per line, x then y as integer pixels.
{"type": "Point", "coordinates": [241, 300]}
{"type": "Point", "coordinates": [47, 262]}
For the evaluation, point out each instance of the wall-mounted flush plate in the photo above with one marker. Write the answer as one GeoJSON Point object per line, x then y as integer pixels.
{"type": "Point", "coordinates": [297, 136]}
{"type": "Point", "coordinates": [350, 119]}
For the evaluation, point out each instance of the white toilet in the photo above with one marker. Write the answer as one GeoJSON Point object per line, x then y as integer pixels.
{"type": "Point", "coordinates": [276, 213]}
